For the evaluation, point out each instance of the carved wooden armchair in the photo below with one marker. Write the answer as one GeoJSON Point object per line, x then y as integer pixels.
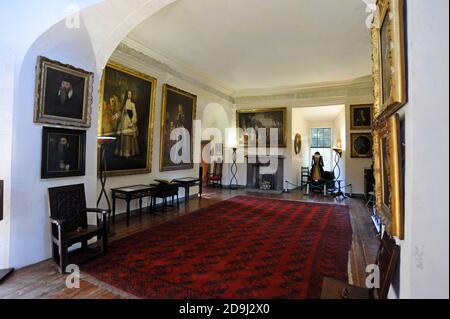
{"type": "Point", "coordinates": [387, 260]}
{"type": "Point", "coordinates": [216, 177]}
{"type": "Point", "coordinates": [69, 226]}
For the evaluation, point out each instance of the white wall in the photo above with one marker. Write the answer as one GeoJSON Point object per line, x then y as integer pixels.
{"type": "Point", "coordinates": [19, 28]}
{"type": "Point", "coordinates": [424, 265]}
{"type": "Point", "coordinates": [301, 126]}
{"type": "Point", "coordinates": [6, 116]}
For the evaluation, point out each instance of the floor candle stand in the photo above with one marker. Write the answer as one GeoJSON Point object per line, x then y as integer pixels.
{"type": "Point", "coordinates": [339, 193]}
{"type": "Point", "coordinates": [103, 142]}
{"type": "Point", "coordinates": [234, 168]}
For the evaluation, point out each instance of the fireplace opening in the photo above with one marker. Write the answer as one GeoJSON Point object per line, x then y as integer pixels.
{"type": "Point", "coordinates": [267, 182]}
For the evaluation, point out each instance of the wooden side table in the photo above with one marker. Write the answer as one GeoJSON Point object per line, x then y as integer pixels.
{"type": "Point", "coordinates": [128, 194]}
{"type": "Point", "coordinates": [187, 183]}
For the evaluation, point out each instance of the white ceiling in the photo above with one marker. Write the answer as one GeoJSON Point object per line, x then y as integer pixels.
{"type": "Point", "coordinates": [252, 44]}
{"type": "Point", "coordinates": [318, 114]}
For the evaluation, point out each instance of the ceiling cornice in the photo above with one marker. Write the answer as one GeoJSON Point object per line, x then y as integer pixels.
{"type": "Point", "coordinates": [332, 91]}
{"type": "Point", "coordinates": [177, 65]}
{"type": "Point", "coordinates": [365, 81]}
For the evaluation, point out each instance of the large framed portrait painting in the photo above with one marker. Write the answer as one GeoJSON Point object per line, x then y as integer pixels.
{"type": "Point", "coordinates": [388, 172]}
{"type": "Point", "coordinates": [177, 121]}
{"type": "Point", "coordinates": [126, 114]}
{"type": "Point", "coordinates": [388, 42]}
{"type": "Point", "coordinates": [63, 94]}
{"type": "Point", "coordinates": [252, 122]}
{"type": "Point", "coordinates": [63, 153]}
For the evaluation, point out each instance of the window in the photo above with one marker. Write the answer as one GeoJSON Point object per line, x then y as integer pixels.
{"type": "Point", "coordinates": [321, 142]}
{"type": "Point", "coordinates": [321, 138]}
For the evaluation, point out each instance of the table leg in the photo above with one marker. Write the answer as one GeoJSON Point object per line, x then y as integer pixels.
{"type": "Point", "coordinates": [128, 211]}
{"type": "Point", "coordinates": [149, 208]}
{"type": "Point", "coordinates": [186, 192]}
{"type": "Point", "coordinates": [140, 205]}
{"type": "Point", "coordinates": [114, 208]}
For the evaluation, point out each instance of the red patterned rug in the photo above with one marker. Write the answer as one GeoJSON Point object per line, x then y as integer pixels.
{"type": "Point", "coordinates": [245, 247]}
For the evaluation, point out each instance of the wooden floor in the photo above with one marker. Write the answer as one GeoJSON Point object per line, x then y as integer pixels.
{"type": "Point", "coordinates": [44, 281]}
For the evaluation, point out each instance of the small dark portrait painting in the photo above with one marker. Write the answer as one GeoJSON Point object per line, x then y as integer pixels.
{"type": "Point", "coordinates": [362, 145]}
{"type": "Point", "coordinates": [361, 117]}
{"type": "Point", "coordinates": [63, 94]}
{"type": "Point", "coordinates": [63, 153]}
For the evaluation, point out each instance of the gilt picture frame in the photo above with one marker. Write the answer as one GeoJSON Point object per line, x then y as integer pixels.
{"type": "Point", "coordinates": [126, 112]}
{"type": "Point", "coordinates": [361, 116]}
{"type": "Point", "coordinates": [178, 112]}
{"type": "Point", "coordinates": [388, 172]}
{"type": "Point", "coordinates": [389, 58]}
{"type": "Point", "coordinates": [63, 94]}
{"type": "Point", "coordinates": [250, 120]}
{"type": "Point", "coordinates": [361, 145]}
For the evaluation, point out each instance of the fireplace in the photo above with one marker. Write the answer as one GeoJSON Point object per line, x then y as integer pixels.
{"type": "Point", "coordinates": [266, 182]}
{"type": "Point", "coordinates": [258, 179]}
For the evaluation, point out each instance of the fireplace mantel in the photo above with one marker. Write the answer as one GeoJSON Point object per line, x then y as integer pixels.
{"type": "Point", "coordinates": [281, 157]}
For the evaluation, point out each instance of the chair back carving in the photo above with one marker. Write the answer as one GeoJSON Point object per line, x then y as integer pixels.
{"type": "Point", "coordinates": [387, 260]}
{"type": "Point", "coordinates": [68, 203]}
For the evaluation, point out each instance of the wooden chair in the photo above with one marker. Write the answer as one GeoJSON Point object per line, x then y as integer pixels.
{"type": "Point", "coordinates": [216, 177]}
{"type": "Point", "coordinates": [387, 260]}
{"type": "Point", "coordinates": [69, 226]}
{"type": "Point", "coordinates": [305, 173]}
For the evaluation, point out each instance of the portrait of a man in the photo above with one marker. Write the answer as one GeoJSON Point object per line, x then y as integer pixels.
{"type": "Point", "coordinates": [64, 94]}
{"type": "Point", "coordinates": [63, 152]}
{"type": "Point", "coordinates": [178, 113]}
{"type": "Point", "coordinates": [63, 159]}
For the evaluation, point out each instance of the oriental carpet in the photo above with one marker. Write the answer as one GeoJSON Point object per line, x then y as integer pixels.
{"type": "Point", "coordinates": [242, 248]}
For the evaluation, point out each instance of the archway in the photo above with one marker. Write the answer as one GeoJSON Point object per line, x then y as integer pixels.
{"type": "Point", "coordinates": [88, 45]}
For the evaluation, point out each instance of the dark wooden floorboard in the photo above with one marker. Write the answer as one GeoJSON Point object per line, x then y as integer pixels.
{"type": "Point", "coordinates": [44, 281]}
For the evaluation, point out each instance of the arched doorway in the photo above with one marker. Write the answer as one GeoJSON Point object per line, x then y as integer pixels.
{"type": "Point", "coordinates": [86, 39]}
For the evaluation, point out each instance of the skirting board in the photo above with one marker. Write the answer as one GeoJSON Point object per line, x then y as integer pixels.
{"type": "Point", "coordinates": [5, 273]}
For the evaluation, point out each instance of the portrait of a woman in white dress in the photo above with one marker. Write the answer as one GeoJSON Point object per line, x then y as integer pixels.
{"type": "Point", "coordinates": [127, 130]}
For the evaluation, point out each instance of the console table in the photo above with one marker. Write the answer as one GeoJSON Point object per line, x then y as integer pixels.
{"type": "Point", "coordinates": [128, 194]}
{"type": "Point", "coordinates": [187, 183]}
